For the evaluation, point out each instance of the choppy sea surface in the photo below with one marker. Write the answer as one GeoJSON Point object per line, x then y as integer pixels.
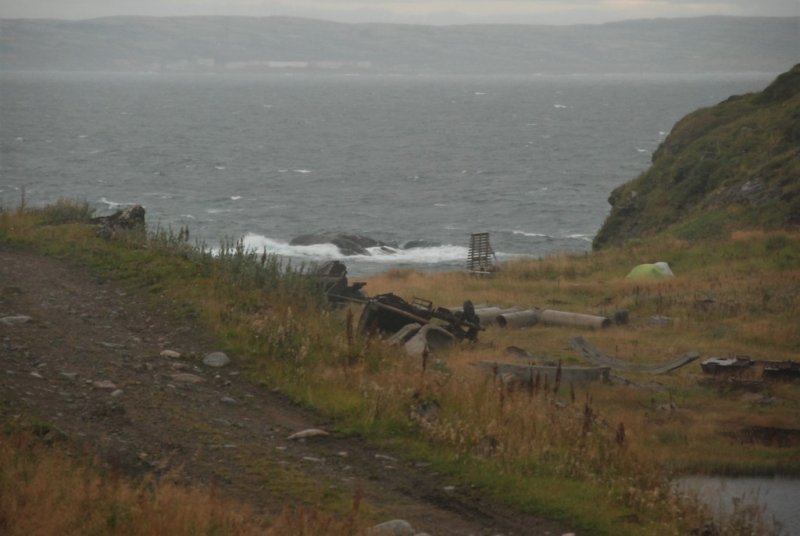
{"type": "Point", "coordinates": [529, 159]}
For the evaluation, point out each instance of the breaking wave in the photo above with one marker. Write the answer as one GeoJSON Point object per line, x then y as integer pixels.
{"type": "Point", "coordinates": [113, 205]}
{"type": "Point", "coordinates": [574, 236]}
{"type": "Point", "coordinates": [378, 254]}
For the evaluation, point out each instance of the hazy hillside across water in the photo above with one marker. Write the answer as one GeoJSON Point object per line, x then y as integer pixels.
{"type": "Point", "coordinates": [226, 44]}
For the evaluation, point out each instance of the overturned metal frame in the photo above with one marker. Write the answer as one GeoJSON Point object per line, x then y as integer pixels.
{"type": "Point", "coordinates": [389, 313]}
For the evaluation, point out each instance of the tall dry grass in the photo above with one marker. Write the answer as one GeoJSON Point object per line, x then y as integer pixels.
{"type": "Point", "coordinates": [603, 454]}
{"type": "Point", "coordinates": [44, 490]}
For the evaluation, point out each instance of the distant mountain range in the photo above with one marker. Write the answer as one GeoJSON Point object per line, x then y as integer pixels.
{"type": "Point", "coordinates": [695, 45]}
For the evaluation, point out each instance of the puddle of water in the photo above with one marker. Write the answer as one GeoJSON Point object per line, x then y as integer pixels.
{"type": "Point", "coordinates": [779, 496]}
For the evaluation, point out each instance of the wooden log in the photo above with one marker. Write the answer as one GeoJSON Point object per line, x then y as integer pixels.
{"type": "Point", "coordinates": [562, 318]}
{"type": "Point", "coordinates": [488, 315]}
{"type": "Point", "coordinates": [518, 319]}
{"type": "Point", "coordinates": [528, 373]}
{"type": "Point", "coordinates": [581, 345]}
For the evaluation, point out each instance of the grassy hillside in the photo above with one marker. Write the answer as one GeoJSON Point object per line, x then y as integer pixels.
{"type": "Point", "coordinates": [733, 166]}
{"type": "Point", "coordinates": [601, 455]}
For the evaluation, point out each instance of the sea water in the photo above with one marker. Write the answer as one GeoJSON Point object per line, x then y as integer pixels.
{"type": "Point", "coordinates": [264, 158]}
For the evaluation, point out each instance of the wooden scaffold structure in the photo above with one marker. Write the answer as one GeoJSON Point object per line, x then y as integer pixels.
{"type": "Point", "coordinates": [481, 259]}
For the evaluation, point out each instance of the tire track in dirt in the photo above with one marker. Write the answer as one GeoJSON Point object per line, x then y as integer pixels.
{"type": "Point", "coordinates": [224, 430]}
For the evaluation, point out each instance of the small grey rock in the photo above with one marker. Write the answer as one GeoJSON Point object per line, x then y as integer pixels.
{"type": "Point", "coordinates": [15, 319]}
{"type": "Point", "coordinates": [104, 384]}
{"type": "Point", "coordinates": [116, 393]}
{"type": "Point", "coordinates": [71, 376]}
{"type": "Point", "coordinates": [37, 375]}
{"type": "Point", "coordinates": [660, 320]}
{"type": "Point", "coordinates": [186, 377]}
{"type": "Point", "coordinates": [395, 527]}
{"type": "Point", "coordinates": [216, 359]}
{"type": "Point", "coordinates": [227, 400]}
{"type": "Point", "coordinates": [170, 354]}
{"type": "Point", "coordinates": [310, 432]}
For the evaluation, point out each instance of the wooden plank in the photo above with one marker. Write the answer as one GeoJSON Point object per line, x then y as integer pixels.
{"type": "Point", "coordinates": [579, 344]}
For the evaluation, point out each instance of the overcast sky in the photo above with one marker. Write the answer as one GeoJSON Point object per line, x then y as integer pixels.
{"type": "Point", "coordinates": [409, 11]}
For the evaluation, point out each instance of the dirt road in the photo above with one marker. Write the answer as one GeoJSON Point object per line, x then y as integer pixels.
{"type": "Point", "coordinates": [87, 359]}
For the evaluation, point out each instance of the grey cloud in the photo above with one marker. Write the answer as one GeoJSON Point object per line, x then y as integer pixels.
{"type": "Point", "coordinates": [419, 11]}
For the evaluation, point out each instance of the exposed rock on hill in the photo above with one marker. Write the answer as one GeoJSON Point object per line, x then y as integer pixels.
{"type": "Point", "coordinates": [732, 166]}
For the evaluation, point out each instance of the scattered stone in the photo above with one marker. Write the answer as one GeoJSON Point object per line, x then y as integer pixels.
{"type": "Point", "coordinates": [449, 488]}
{"type": "Point", "coordinates": [670, 407]}
{"type": "Point", "coordinates": [395, 527]}
{"type": "Point", "coordinates": [216, 359]}
{"type": "Point", "coordinates": [385, 457]}
{"type": "Point", "coordinates": [71, 376]}
{"type": "Point", "coordinates": [116, 393]}
{"type": "Point", "coordinates": [227, 400]}
{"type": "Point", "coordinates": [311, 432]}
{"type": "Point", "coordinates": [15, 319]}
{"type": "Point", "coordinates": [104, 384]}
{"type": "Point", "coordinates": [111, 345]}
{"type": "Point", "coordinates": [186, 377]}
{"type": "Point", "coordinates": [170, 354]}
{"type": "Point", "coordinates": [37, 375]}
{"type": "Point", "coordinates": [342, 454]}
{"type": "Point", "coordinates": [766, 401]}
{"type": "Point", "coordinates": [659, 320]}
{"type": "Point", "coordinates": [312, 459]}
{"type": "Point", "coordinates": [519, 353]}
{"type": "Point", "coordinates": [178, 366]}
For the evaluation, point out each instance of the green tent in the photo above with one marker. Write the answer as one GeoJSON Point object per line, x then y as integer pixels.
{"type": "Point", "coordinates": [656, 270]}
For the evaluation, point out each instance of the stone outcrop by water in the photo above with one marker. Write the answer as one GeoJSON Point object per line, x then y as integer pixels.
{"type": "Point", "coordinates": [348, 244]}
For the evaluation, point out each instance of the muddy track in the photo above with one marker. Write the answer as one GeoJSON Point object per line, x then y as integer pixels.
{"type": "Point", "coordinates": [222, 430]}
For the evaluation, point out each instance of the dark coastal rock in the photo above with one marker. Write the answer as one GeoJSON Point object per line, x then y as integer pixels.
{"type": "Point", "coordinates": [348, 244]}
{"type": "Point", "coordinates": [414, 244]}
{"type": "Point", "coordinates": [128, 219]}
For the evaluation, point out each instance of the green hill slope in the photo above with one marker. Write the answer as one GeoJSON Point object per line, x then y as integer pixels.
{"type": "Point", "coordinates": [732, 166]}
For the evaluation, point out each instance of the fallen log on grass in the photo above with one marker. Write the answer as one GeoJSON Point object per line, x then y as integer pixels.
{"type": "Point", "coordinates": [530, 317]}
{"type": "Point", "coordinates": [546, 373]}
{"type": "Point", "coordinates": [580, 345]}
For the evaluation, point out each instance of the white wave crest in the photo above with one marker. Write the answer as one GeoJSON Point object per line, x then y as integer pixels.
{"type": "Point", "coordinates": [114, 204]}
{"type": "Point", "coordinates": [276, 247]}
{"type": "Point", "coordinates": [431, 255]}
{"type": "Point", "coordinates": [523, 233]}
{"type": "Point", "coordinates": [584, 237]}
{"type": "Point", "coordinates": [378, 254]}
